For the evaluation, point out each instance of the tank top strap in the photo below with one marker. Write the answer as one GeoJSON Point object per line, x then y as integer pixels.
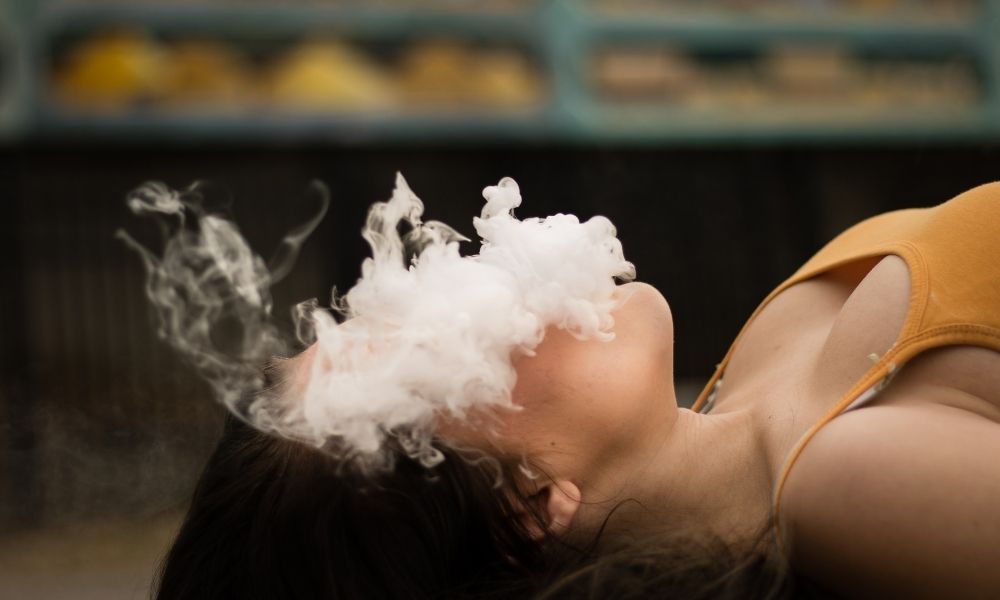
{"type": "Point", "coordinates": [829, 258]}
{"type": "Point", "coordinates": [874, 380]}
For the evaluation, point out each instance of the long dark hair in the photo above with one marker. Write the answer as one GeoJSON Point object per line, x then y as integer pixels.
{"type": "Point", "coordinates": [274, 519]}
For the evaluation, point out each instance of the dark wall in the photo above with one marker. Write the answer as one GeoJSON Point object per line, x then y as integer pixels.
{"type": "Point", "coordinates": [99, 418]}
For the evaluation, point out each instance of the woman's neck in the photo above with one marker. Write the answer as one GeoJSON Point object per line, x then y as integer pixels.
{"type": "Point", "coordinates": [708, 473]}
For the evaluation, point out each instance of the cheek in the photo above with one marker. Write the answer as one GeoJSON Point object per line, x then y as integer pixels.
{"type": "Point", "coordinates": [595, 390]}
{"type": "Point", "coordinates": [546, 383]}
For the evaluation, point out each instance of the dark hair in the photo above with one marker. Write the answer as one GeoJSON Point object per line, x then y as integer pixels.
{"type": "Point", "coordinates": [682, 564]}
{"type": "Point", "coordinates": [275, 519]}
{"type": "Point", "coordinates": [272, 519]}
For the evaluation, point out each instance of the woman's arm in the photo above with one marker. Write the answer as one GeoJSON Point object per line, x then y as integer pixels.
{"type": "Point", "coordinates": [899, 500]}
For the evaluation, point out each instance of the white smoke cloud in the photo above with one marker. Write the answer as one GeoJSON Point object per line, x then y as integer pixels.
{"type": "Point", "coordinates": [425, 338]}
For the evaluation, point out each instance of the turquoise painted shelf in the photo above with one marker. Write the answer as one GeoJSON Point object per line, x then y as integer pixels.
{"type": "Point", "coordinates": [283, 19]}
{"type": "Point", "coordinates": [734, 32]}
{"type": "Point", "coordinates": [685, 126]}
{"type": "Point", "coordinates": [352, 128]}
{"type": "Point", "coordinates": [563, 34]}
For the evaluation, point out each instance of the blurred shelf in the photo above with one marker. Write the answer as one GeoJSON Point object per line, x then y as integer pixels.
{"type": "Point", "coordinates": [561, 37]}
{"type": "Point", "coordinates": [791, 125]}
{"type": "Point", "coordinates": [279, 19]}
{"type": "Point", "coordinates": [731, 31]}
{"type": "Point", "coordinates": [604, 125]}
{"type": "Point", "coordinates": [360, 127]}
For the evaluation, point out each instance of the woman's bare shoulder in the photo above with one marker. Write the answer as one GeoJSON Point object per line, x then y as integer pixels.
{"type": "Point", "coordinates": [900, 497]}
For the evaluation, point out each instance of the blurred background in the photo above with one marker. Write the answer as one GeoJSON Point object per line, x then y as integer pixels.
{"type": "Point", "coordinates": [727, 139]}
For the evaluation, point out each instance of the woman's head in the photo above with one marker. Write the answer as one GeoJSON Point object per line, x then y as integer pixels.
{"type": "Point", "coordinates": [586, 411]}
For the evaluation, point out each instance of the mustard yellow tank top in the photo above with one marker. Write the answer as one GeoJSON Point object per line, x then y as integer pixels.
{"type": "Point", "coordinates": [953, 254]}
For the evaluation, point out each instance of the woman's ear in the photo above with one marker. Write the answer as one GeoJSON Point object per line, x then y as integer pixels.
{"type": "Point", "coordinates": [555, 504]}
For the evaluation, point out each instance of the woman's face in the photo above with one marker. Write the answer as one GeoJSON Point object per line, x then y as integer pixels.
{"type": "Point", "coordinates": [585, 402]}
{"type": "Point", "coordinates": [580, 403]}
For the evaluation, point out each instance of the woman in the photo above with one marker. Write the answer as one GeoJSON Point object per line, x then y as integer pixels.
{"type": "Point", "coordinates": [857, 428]}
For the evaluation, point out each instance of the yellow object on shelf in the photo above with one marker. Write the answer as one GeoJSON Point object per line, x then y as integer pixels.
{"type": "Point", "coordinates": [435, 73]}
{"type": "Point", "coordinates": [205, 74]}
{"type": "Point", "coordinates": [445, 74]}
{"type": "Point", "coordinates": [645, 75]}
{"type": "Point", "coordinates": [814, 74]}
{"type": "Point", "coordinates": [943, 86]}
{"type": "Point", "coordinates": [327, 75]}
{"type": "Point", "coordinates": [734, 89]}
{"type": "Point", "coordinates": [111, 71]}
{"type": "Point", "coordinates": [505, 79]}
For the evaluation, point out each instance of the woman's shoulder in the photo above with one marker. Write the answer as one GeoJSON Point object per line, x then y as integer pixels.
{"type": "Point", "coordinates": [901, 496]}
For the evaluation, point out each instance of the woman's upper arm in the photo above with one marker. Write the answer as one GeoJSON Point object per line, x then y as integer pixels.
{"type": "Point", "coordinates": [899, 499]}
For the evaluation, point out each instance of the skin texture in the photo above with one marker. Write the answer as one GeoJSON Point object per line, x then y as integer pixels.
{"type": "Point", "coordinates": [586, 401]}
